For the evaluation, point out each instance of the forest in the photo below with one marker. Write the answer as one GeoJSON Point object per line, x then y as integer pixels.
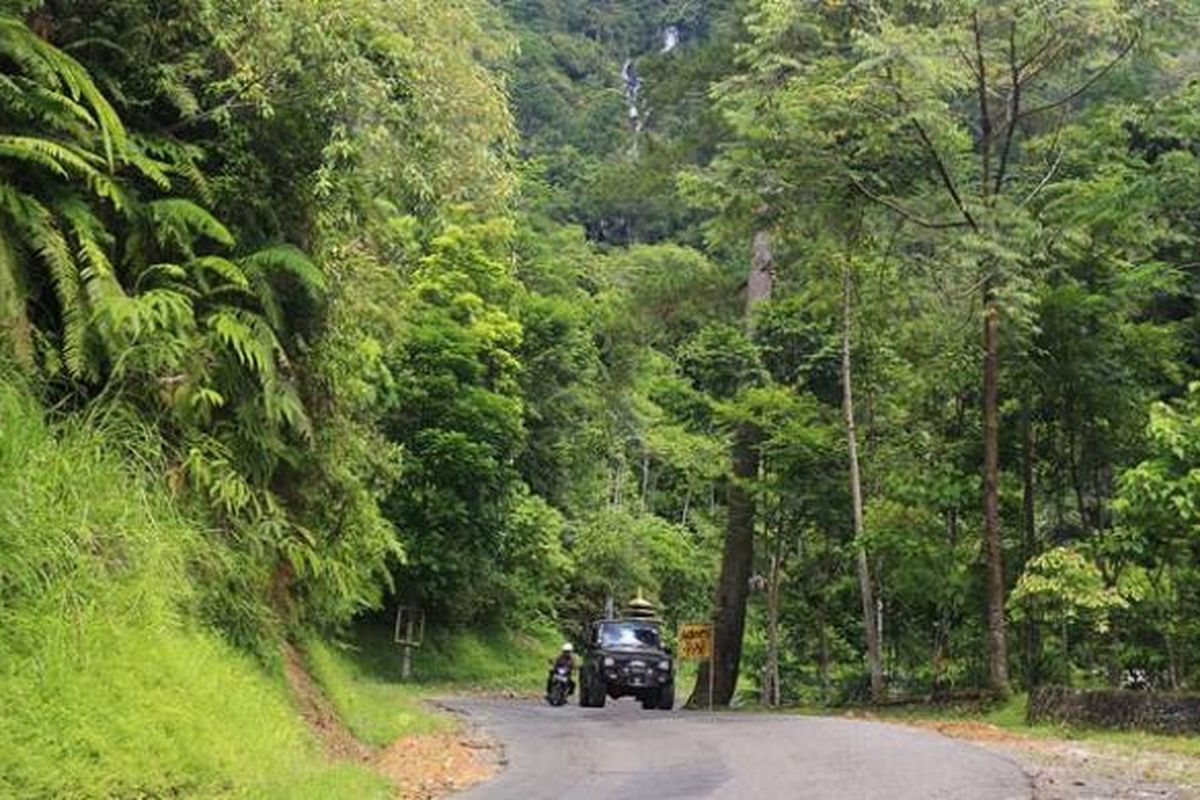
{"type": "Point", "coordinates": [868, 330]}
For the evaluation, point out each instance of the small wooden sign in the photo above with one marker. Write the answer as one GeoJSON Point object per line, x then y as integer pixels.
{"type": "Point", "coordinates": [695, 640]}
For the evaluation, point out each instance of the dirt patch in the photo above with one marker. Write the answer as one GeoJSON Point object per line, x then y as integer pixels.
{"type": "Point", "coordinates": [1061, 769]}
{"type": "Point", "coordinates": [426, 767]}
{"type": "Point", "coordinates": [974, 731]}
{"type": "Point", "coordinates": [1064, 770]}
{"type": "Point", "coordinates": [421, 767]}
{"type": "Point", "coordinates": [336, 739]}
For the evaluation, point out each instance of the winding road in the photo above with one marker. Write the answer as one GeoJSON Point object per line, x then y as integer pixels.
{"type": "Point", "coordinates": [626, 753]}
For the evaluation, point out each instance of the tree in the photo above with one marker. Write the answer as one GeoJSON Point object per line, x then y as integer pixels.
{"type": "Point", "coordinates": [870, 624]}
{"type": "Point", "coordinates": [982, 78]}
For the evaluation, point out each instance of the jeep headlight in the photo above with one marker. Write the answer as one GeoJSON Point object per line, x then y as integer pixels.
{"type": "Point", "coordinates": [664, 665]}
{"type": "Point", "coordinates": [608, 661]}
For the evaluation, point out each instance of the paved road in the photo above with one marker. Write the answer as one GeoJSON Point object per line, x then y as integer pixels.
{"type": "Point", "coordinates": [625, 753]}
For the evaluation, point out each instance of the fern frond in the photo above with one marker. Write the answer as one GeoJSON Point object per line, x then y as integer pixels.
{"type": "Point", "coordinates": [209, 467]}
{"type": "Point", "coordinates": [224, 269]}
{"type": "Point", "coordinates": [40, 152]}
{"type": "Point", "coordinates": [264, 266]}
{"type": "Point", "coordinates": [63, 160]}
{"type": "Point", "coordinates": [45, 108]}
{"type": "Point", "coordinates": [171, 273]}
{"type": "Point", "coordinates": [53, 67]}
{"type": "Point", "coordinates": [177, 223]}
{"type": "Point", "coordinates": [151, 169]}
{"type": "Point", "coordinates": [237, 330]}
{"type": "Point", "coordinates": [163, 311]}
{"type": "Point", "coordinates": [285, 406]}
{"type": "Point", "coordinates": [290, 260]}
{"type": "Point", "coordinates": [180, 159]}
{"type": "Point", "coordinates": [46, 239]}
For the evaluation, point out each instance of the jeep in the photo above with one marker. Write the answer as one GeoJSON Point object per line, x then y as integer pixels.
{"type": "Point", "coordinates": [627, 658]}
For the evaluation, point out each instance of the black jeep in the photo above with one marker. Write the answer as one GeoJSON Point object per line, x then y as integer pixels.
{"type": "Point", "coordinates": [626, 658]}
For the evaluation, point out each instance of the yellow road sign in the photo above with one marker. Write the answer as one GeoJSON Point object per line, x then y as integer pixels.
{"type": "Point", "coordinates": [695, 640]}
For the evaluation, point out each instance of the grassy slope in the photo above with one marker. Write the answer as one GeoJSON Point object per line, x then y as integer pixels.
{"type": "Point", "coordinates": [361, 676]}
{"type": "Point", "coordinates": [106, 688]}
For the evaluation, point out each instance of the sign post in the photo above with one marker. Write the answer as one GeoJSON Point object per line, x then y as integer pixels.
{"type": "Point", "coordinates": [696, 641]}
{"type": "Point", "coordinates": [409, 633]}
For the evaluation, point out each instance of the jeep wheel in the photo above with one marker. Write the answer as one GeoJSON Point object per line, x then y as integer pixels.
{"type": "Point", "coordinates": [650, 700]}
{"type": "Point", "coordinates": [666, 696]}
{"type": "Point", "coordinates": [591, 690]}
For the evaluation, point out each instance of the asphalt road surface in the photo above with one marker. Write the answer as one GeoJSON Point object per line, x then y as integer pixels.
{"type": "Point", "coordinates": [626, 753]}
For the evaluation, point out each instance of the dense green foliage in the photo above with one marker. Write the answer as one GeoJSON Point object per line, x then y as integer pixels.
{"type": "Point", "coordinates": [421, 302]}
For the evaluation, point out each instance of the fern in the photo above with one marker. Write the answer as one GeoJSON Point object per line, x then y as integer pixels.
{"type": "Point", "coordinates": [228, 272]}
{"type": "Point", "coordinates": [290, 260]}
{"type": "Point", "coordinates": [179, 159]}
{"type": "Point", "coordinates": [48, 109]}
{"type": "Point", "coordinates": [52, 67]}
{"type": "Point", "coordinates": [152, 306]}
{"type": "Point", "coordinates": [64, 161]}
{"type": "Point", "coordinates": [178, 223]}
{"type": "Point", "coordinates": [265, 266]}
{"type": "Point", "coordinates": [234, 329]}
{"type": "Point", "coordinates": [45, 238]}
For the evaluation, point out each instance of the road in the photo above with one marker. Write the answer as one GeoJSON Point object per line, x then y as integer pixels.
{"type": "Point", "coordinates": [626, 753]}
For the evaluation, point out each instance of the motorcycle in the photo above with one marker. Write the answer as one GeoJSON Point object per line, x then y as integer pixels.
{"type": "Point", "coordinates": [560, 687]}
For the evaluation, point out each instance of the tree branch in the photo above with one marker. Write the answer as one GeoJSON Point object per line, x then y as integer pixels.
{"type": "Point", "coordinates": [944, 174]}
{"type": "Point", "coordinates": [1044, 181]}
{"type": "Point", "coordinates": [1087, 84]}
{"type": "Point", "coordinates": [966, 60]}
{"type": "Point", "coordinates": [1014, 106]}
{"type": "Point", "coordinates": [903, 212]}
{"type": "Point", "coordinates": [939, 164]}
{"type": "Point", "coordinates": [1051, 41]}
{"type": "Point", "coordinates": [1038, 68]}
{"type": "Point", "coordinates": [985, 116]}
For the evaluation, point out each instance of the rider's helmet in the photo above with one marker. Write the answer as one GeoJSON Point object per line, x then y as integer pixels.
{"type": "Point", "coordinates": [568, 648]}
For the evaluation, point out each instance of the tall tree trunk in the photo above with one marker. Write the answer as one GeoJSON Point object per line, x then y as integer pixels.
{"type": "Point", "coordinates": [996, 645]}
{"type": "Point", "coordinates": [771, 689]}
{"type": "Point", "coordinates": [941, 639]}
{"type": "Point", "coordinates": [1032, 640]}
{"type": "Point", "coordinates": [1066, 649]}
{"type": "Point", "coordinates": [737, 557]}
{"type": "Point", "coordinates": [645, 480]}
{"type": "Point", "coordinates": [870, 628]}
{"type": "Point", "coordinates": [733, 586]}
{"type": "Point", "coordinates": [823, 646]}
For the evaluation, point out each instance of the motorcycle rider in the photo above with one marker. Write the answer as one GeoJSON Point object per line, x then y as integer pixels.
{"type": "Point", "coordinates": [566, 660]}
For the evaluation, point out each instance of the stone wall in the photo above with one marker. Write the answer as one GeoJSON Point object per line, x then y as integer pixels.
{"type": "Point", "coordinates": [1116, 708]}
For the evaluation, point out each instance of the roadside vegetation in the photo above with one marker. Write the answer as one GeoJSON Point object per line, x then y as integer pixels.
{"type": "Point", "coordinates": [362, 676]}
{"type": "Point", "coordinates": [109, 687]}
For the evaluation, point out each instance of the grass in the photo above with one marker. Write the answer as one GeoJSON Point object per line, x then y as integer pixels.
{"type": "Point", "coordinates": [362, 675]}
{"type": "Point", "coordinates": [377, 710]}
{"type": "Point", "coordinates": [108, 687]}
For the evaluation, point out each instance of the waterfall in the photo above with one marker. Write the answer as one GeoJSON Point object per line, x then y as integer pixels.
{"type": "Point", "coordinates": [633, 85]}
{"type": "Point", "coordinates": [670, 39]}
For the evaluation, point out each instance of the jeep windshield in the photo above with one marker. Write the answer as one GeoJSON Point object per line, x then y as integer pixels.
{"type": "Point", "coordinates": [630, 635]}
